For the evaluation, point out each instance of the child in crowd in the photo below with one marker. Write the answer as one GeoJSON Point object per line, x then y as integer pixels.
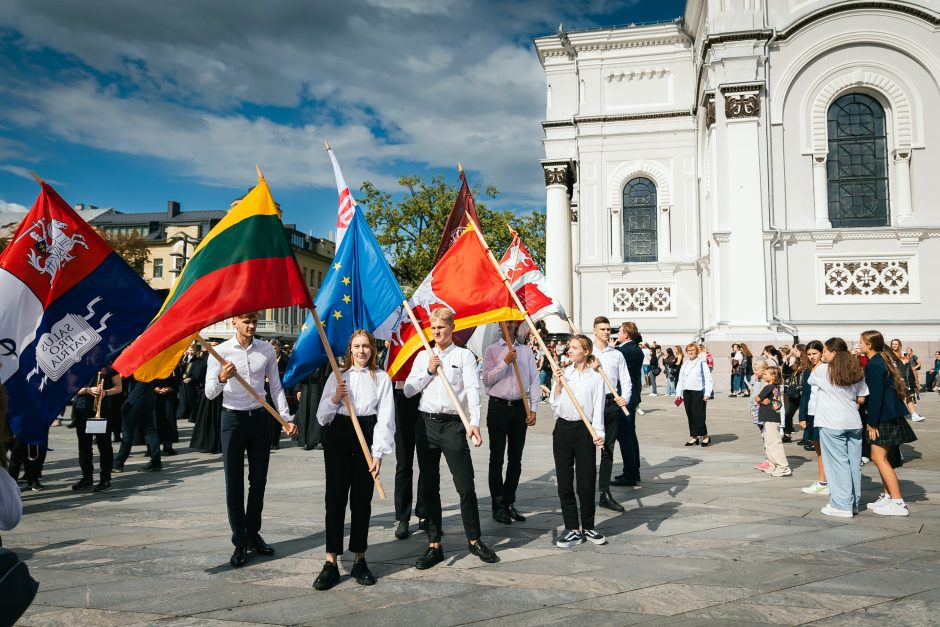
{"type": "Point", "coordinates": [758, 365]}
{"type": "Point", "coordinates": [770, 402]}
{"type": "Point", "coordinates": [813, 357]}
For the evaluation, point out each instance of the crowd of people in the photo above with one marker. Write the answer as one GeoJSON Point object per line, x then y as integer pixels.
{"type": "Point", "coordinates": [852, 406]}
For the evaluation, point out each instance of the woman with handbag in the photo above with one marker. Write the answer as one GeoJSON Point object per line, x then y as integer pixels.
{"type": "Point", "coordinates": [887, 425]}
{"type": "Point", "coordinates": [694, 388]}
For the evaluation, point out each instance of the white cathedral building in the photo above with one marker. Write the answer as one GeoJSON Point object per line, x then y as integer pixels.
{"type": "Point", "coordinates": [757, 170]}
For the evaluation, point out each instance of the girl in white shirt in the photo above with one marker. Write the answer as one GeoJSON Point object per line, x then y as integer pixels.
{"type": "Point", "coordinates": [695, 387]}
{"type": "Point", "coordinates": [348, 476]}
{"type": "Point", "coordinates": [840, 390]}
{"type": "Point", "coordinates": [572, 445]}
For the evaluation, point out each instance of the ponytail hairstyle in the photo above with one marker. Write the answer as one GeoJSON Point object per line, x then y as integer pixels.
{"type": "Point", "coordinates": [844, 369]}
{"type": "Point", "coordinates": [877, 342]}
{"type": "Point", "coordinates": [372, 364]}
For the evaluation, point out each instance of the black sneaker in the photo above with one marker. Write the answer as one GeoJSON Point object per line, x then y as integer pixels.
{"type": "Point", "coordinates": [403, 530]}
{"type": "Point", "coordinates": [482, 551]}
{"type": "Point", "coordinates": [592, 536]}
{"type": "Point", "coordinates": [570, 538]}
{"type": "Point", "coordinates": [328, 577]}
{"type": "Point", "coordinates": [151, 467]}
{"type": "Point", "coordinates": [103, 486]}
{"type": "Point", "coordinates": [35, 486]}
{"type": "Point", "coordinates": [362, 574]}
{"type": "Point", "coordinates": [432, 557]}
{"type": "Point", "coordinates": [86, 482]}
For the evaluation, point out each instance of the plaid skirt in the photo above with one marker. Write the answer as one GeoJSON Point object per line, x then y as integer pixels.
{"type": "Point", "coordinates": [894, 432]}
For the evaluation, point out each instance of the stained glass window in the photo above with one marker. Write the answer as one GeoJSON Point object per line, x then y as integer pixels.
{"type": "Point", "coordinates": [639, 220]}
{"type": "Point", "coordinates": [857, 163]}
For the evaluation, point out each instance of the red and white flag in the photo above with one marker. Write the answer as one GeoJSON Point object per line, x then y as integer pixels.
{"type": "Point", "coordinates": [347, 204]}
{"type": "Point", "coordinates": [528, 282]}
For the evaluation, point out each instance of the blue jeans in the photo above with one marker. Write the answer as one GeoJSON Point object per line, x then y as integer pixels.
{"type": "Point", "coordinates": [842, 460]}
{"type": "Point", "coordinates": [670, 387]}
{"type": "Point", "coordinates": [737, 382]}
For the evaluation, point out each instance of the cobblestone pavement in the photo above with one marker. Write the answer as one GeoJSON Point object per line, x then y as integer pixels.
{"type": "Point", "coordinates": [706, 540]}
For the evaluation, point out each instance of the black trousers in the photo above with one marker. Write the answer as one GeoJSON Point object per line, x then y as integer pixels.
{"type": "Point", "coordinates": [790, 408]}
{"type": "Point", "coordinates": [19, 458]}
{"type": "Point", "coordinates": [505, 426]}
{"type": "Point", "coordinates": [695, 411]}
{"type": "Point", "coordinates": [347, 478]}
{"type": "Point", "coordinates": [138, 417]}
{"type": "Point", "coordinates": [245, 432]}
{"type": "Point", "coordinates": [629, 444]}
{"type": "Point", "coordinates": [406, 419]}
{"type": "Point", "coordinates": [612, 415]}
{"type": "Point", "coordinates": [85, 453]}
{"type": "Point", "coordinates": [575, 464]}
{"type": "Point", "coordinates": [433, 437]}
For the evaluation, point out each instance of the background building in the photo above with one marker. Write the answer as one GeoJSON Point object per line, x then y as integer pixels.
{"type": "Point", "coordinates": [755, 170]}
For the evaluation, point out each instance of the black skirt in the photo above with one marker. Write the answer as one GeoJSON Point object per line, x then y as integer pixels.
{"type": "Point", "coordinates": [207, 432]}
{"type": "Point", "coordinates": [894, 432]}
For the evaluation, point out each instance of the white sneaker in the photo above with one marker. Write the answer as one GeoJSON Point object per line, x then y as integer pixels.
{"type": "Point", "coordinates": [816, 488]}
{"type": "Point", "coordinates": [890, 508]}
{"type": "Point", "coordinates": [917, 418]}
{"type": "Point", "coordinates": [865, 460]}
{"type": "Point", "coordinates": [879, 501]}
{"type": "Point", "coordinates": [640, 411]}
{"type": "Point", "coordinates": [829, 510]}
{"type": "Point", "coordinates": [570, 538]}
{"type": "Point", "coordinates": [594, 536]}
{"type": "Point", "coordinates": [781, 471]}
{"type": "Point", "coordinates": [652, 394]}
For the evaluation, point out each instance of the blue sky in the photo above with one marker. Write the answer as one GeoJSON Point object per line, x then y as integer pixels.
{"type": "Point", "coordinates": [130, 103]}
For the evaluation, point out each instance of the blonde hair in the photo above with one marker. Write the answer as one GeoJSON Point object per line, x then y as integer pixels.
{"type": "Point", "coordinates": [372, 364]}
{"type": "Point", "coordinates": [695, 346]}
{"type": "Point", "coordinates": [775, 373]}
{"type": "Point", "coordinates": [443, 314]}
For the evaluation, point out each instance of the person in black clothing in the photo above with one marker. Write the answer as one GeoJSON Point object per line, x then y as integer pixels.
{"type": "Point", "coordinates": [406, 418]}
{"type": "Point", "coordinates": [626, 432]}
{"type": "Point", "coordinates": [186, 408]}
{"type": "Point", "coordinates": [165, 405]}
{"type": "Point", "coordinates": [31, 460]}
{"type": "Point", "coordinates": [138, 413]}
{"type": "Point", "coordinates": [83, 408]}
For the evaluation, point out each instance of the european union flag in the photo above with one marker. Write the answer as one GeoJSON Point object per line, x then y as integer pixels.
{"type": "Point", "coordinates": [359, 292]}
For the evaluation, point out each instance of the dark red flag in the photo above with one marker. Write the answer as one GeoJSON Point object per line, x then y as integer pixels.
{"type": "Point", "coordinates": [463, 211]}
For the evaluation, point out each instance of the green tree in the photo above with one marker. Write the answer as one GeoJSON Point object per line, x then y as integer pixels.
{"type": "Point", "coordinates": [133, 249]}
{"type": "Point", "coordinates": [409, 229]}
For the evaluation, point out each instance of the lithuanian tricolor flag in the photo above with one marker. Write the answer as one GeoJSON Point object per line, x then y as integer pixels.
{"type": "Point", "coordinates": [244, 264]}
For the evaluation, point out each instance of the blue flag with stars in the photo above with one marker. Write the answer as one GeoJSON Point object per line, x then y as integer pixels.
{"type": "Point", "coordinates": [358, 292]}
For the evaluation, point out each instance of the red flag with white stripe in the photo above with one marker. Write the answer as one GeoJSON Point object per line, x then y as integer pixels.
{"type": "Point", "coordinates": [347, 204]}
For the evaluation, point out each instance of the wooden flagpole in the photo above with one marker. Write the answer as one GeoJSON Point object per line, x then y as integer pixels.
{"type": "Point", "coordinates": [515, 366]}
{"type": "Point", "coordinates": [348, 402]}
{"type": "Point", "coordinates": [444, 379]}
{"type": "Point", "coordinates": [600, 371]}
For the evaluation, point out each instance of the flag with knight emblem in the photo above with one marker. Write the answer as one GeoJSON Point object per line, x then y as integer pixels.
{"type": "Point", "coordinates": [528, 282]}
{"type": "Point", "coordinates": [70, 304]}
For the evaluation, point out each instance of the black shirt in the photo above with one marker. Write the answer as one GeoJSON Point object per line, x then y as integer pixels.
{"type": "Point", "coordinates": [771, 412]}
{"type": "Point", "coordinates": [86, 402]}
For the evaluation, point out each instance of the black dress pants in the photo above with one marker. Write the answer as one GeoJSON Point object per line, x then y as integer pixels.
{"type": "Point", "coordinates": [20, 458]}
{"type": "Point", "coordinates": [575, 462]}
{"type": "Point", "coordinates": [434, 436]}
{"type": "Point", "coordinates": [629, 444]}
{"type": "Point", "coordinates": [695, 412]}
{"type": "Point", "coordinates": [612, 415]}
{"type": "Point", "coordinates": [505, 426]}
{"type": "Point", "coordinates": [406, 419]}
{"type": "Point", "coordinates": [85, 454]}
{"type": "Point", "coordinates": [138, 417]}
{"type": "Point", "coordinates": [245, 432]}
{"type": "Point", "coordinates": [347, 478]}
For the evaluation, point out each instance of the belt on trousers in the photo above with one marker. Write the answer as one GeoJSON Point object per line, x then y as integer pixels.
{"type": "Point", "coordinates": [366, 417]}
{"type": "Point", "coordinates": [439, 416]}
{"type": "Point", "coordinates": [260, 411]}
{"type": "Point", "coordinates": [507, 402]}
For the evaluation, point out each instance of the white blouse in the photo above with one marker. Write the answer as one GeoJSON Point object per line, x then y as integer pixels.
{"type": "Point", "coordinates": [371, 394]}
{"type": "Point", "coordinates": [588, 388]}
{"type": "Point", "coordinates": [695, 375]}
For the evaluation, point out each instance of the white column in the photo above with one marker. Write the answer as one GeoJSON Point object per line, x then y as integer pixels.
{"type": "Point", "coordinates": [902, 193]}
{"type": "Point", "coordinates": [820, 193]}
{"type": "Point", "coordinates": [558, 268]}
{"type": "Point", "coordinates": [616, 235]}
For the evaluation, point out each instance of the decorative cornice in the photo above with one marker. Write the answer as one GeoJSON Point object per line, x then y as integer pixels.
{"type": "Point", "coordinates": [843, 7]}
{"type": "Point", "coordinates": [636, 75]}
{"type": "Point", "coordinates": [560, 172]}
{"type": "Point", "coordinates": [834, 235]}
{"type": "Point", "coordinates": [748, 35]}
{"type": "Point", "coordinates": [558, 124]}
{"type": "Point", "coordinates": [747, 87]}
{"type": "Point", "coordinates": [599, 119]}
{"type": "Point", "coordinates": [652, 266]}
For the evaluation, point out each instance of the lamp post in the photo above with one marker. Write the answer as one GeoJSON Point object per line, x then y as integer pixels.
{"type": "Point", "coordinates": [183, 241]}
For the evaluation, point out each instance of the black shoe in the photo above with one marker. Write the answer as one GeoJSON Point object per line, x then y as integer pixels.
{"type": "Point", "coordinates": [403, 530]}
{"type": "Point", "coordinates": [361, 573]}
{"type": "Point", "coordinates": [803, 442]}
{"type": "Point", "coordinates": [275, 447]}
{"type": "Point", "coordinates": [623, 482]}
{"type": "Point", "coordinates": [482, 551]}
{"type": "Point", "coordinates": [809, 447]}
{"type": "Point", "coordinates": [103, 486]}
{"type": "Point", "coordinates": [151, 467]}
{"type": "Point", "coordinates": [422, 524]}
{"type": "Point", "coordinates": [692, 442]}
{"type": "Point", "coordinates": [705, 441]}
{"type": "Point", "coordinates": [328, 577]}
{"type": "Point", "coordinates": [239, 557]}
{"type": "Point", "coordinates": [86, 482]}
{"type": "Point", "coordinates": [500, 515]}
{"type": "Point", "coordinates": [170, 451]}
{"type": "Point", "coordinates": [432, 557]}
{"type": "Point", "coordinates": [35, 486]}
{"type": "Point", "coordinates": [608, 502]}
{"type": "Point", "coordinates": [71, 425]}
{"type": "Point", "coordinates": [260, 546]}
{"type": "Point", "coordinates": [786, 439]}
{"type": "Point", "coordinates": [514, 514]}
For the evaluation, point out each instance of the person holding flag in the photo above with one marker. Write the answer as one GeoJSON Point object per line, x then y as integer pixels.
{"type": "Point", "coordinates": [348, 477]}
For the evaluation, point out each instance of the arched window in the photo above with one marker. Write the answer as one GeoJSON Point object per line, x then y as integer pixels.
{"type": "Point", "coordinates": [639, 220]}
{"type": "Point", "coordinates": [857, 162]}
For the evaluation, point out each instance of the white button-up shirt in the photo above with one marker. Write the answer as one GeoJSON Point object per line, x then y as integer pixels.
{"type": "Point", "coordinates": [500, 377]}
{"type": "Point", "coordinates": [255, 363]}
{"type": "Point", "coordinates": [615, 367]}
{"type": "Point", "coordinates": [588, 388]}
{"type": "Point", "coordinates": [460, 367]}
{"type": "Point", "coordinates": [371, 394]}
{"type": "Point", "coordinates": [695, 375]}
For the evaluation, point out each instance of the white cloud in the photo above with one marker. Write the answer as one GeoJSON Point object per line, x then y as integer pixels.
{"type": "Point", "coordinates": [12, 206]}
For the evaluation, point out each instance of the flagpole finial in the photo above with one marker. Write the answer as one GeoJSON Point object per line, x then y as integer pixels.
{"type": "Point", "coordinates": [459, 167]}
{"type": "Point", "coordinates": [258, 170]}
{"type": "Point", "coordinates": [36, 177]}
{"type": "Point", "coordinates": [326, 145]}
